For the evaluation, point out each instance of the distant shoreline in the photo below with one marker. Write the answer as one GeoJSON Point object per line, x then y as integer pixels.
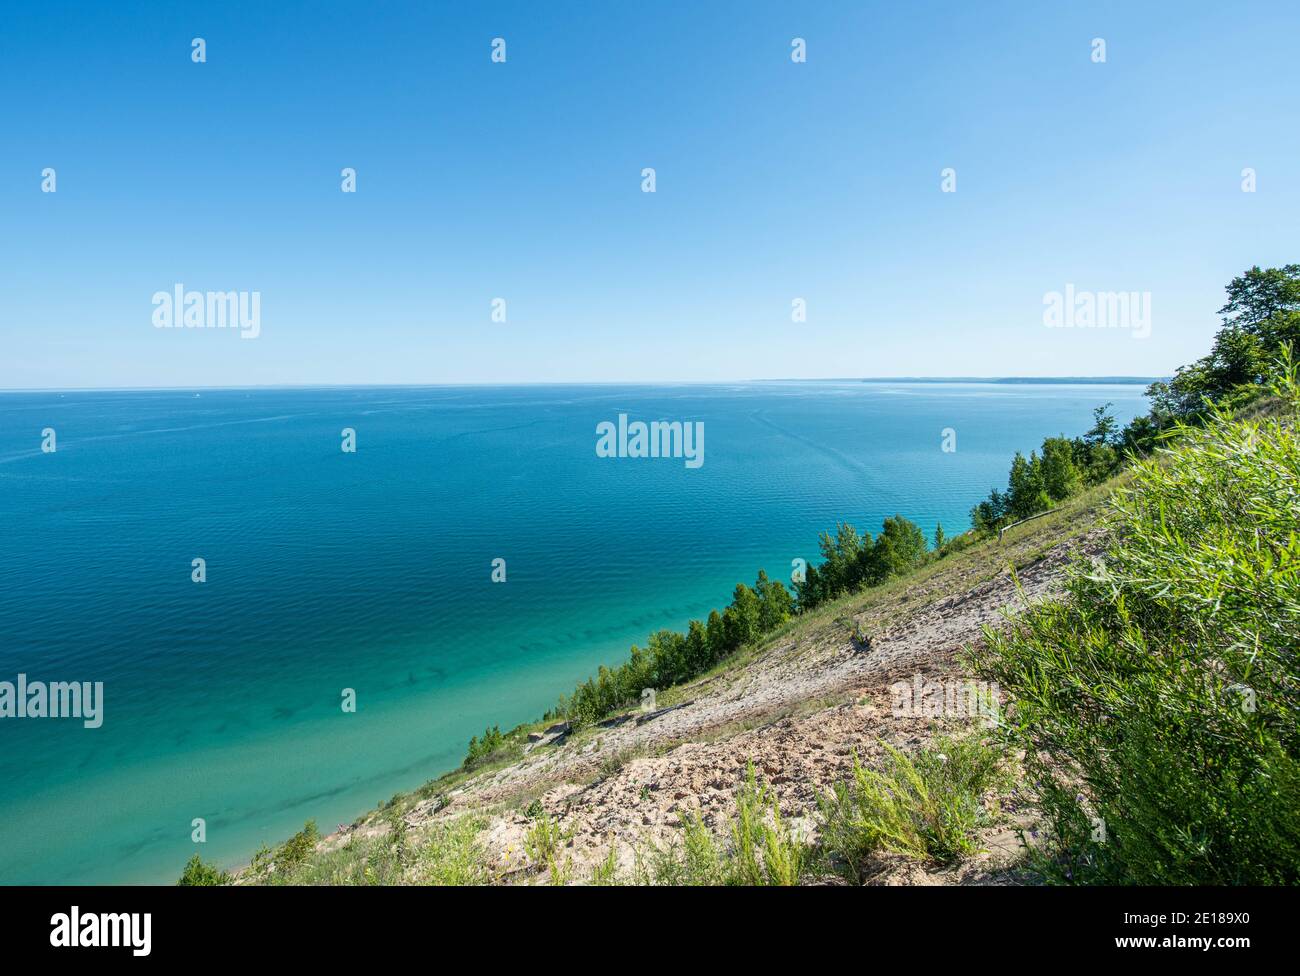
{"type": "Point", "coordinates": [1026, 380]}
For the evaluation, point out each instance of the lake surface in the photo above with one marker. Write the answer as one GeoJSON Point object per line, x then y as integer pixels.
{"type": "Point", "coordinates": [372, 571]}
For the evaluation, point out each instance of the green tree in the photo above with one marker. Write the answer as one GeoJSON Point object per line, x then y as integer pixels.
{"type": "Point", "coordinates": [636, 674]}
{"type": "Point", "coordinates": [668, 648]}
{"type": "Point", "coordinates": [842, 554]}
{"type": "Point", "coordinates": [1140, 435]}
{"type": "Point", "coordinates": [1262, 296]}
{"type": "Point", "coordinates": [715, 632]}
{"type": "Point", "coordinates": [810, 591]}
{"type": "Point", "coordinates": [775, 603]}
{"type": "Point", "coordinates": [990, 513]}
{"type": "Point", "coordinates": [1026, 494]}
{"type": "Point", "coordinates": [899, 548]}
{"type": "Point", "coordinates": [697, 654]}
{"type": "Point", "coordinates": [1061, 478]}
{"type": "Point", "coordinates": [1260, 320]}
{"type": "Point", "coordinates": [741, 619]}
{"type": "Point", "coordinates": [480, 749]}
{"type": "Point", "coordinates": [1105, 428]}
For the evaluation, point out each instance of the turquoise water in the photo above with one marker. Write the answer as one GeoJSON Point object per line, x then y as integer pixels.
{"type": "Point", "coordinates": [371, 571]}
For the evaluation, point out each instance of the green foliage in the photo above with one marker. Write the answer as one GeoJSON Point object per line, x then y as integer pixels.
{"type": "Point", "coordinates": [898, 550]}
{"type": "Point", "coordinates": [481, 748]}
{"type": "Point", "coordinates": [543, 844]}
{"type": "Point", "coordinates": [450, 855]}
{"type": "Point", "coordinates": [1026, 493]}
{"type": "Point", "coordinates": [199, 873]}
{"type": "Point", "coordinates": [761, 849]}
{"type": "Point", "coordinates": [445, 853]}
{"type": "Point", "coordinates": [262, 860]}
{"type": "Point", "coordinates": [1159, 697]}
{"type": "Point", "coordinates": [1261, 321]}
{"type": "Point", "coordinates": [297, 848]}
{"type": "Point", "coordinates": [671, 658]}
{"type": "Point", "coordinates": [399, 836]}
{"type": "Point", "coordinates": [1061, 477]}
{"type": "Point", "coordinates": [606, 872]}
{"type": "Point", "coordinates": [1261, 324]}
{"type": "Point", "coordinates": [851, 562]}
{"type": "Point", "coordinates": [716, 634]}
{"type": "Point", "coordinates": [775, 605]}
{"type": "Point", "coordinates": [544, 839]}
{"type": "Point", "coordinates": [1105, 428]}
{"type": "Point", "coordinates": [740, 620]}
{"type": "Point", "coordinates": [493, 746]}
{"type": "Point", "coordinates": [928, 807]}
{"type": "Point", "coordinates": [1066, 466]}
{"type": "Point", "coordinates": [987, 515]}
{"type": "Point", "coordinates": [359, 861]}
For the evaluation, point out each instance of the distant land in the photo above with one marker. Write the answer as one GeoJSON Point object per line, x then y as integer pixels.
{"type": "Point", "coordinates": [1072, 380]}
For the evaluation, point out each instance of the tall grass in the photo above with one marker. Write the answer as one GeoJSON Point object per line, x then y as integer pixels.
{"type": "Point", "coordinates": [443, 853]}
{"type": "Point", "coordinates": [544, 843]}
{"type": "Point", "coordinates": [760, 848]}
{"type": "Point", "coordinates": [450, 854]}
{"type": "Point", "coordinates": [1157, 701]}
{"type": "Point", "coordinates": [928, 807]}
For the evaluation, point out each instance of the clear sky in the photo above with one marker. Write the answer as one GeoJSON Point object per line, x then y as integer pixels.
{"type": "Point", "coordinates": [522, 180]}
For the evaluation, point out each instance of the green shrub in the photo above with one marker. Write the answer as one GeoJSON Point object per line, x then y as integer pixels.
{"type": "Point", "coordinates": [929, 807]}
{"type": "Point", "coordinates": [493, 745]}
{"type": "Point", "coordinates": [399, 837]}
{"type": "Point", "coordinates": [606, 872]}
{"type": "Point", "coordinates": [445, 853]}
{"type": "Point", "coordinates": [359, 861]}
{"type": "Point", "coordinates": [198, 873]}
{"type": "Point", "coordinates": [450, 855]}
{"type": "Point", "coordinates": [763, 850]}
{"type": "Point", "coordinates": [1156, 702]}
{"type": "Point", "coordinates": [297, 848]}
{"type": "Point", "coordinates": [695, 859]}
{"type": "Point", "coordinates": [543, 843]}
{"type": "Point", "coordinates": [262, 860]}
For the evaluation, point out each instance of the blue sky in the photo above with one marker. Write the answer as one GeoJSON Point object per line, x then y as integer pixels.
{"type": "Point", "coordinates": [522, 180]}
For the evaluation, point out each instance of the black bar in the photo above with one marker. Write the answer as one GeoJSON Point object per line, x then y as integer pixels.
{"type": "Point", "coordinates": [335, 925]}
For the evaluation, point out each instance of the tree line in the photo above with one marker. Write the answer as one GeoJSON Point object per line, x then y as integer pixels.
{"type": "Point", "coordinates": [1261, 324]}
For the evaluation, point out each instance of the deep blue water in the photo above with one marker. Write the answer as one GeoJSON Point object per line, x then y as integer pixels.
{"type": "Point", "coordinates": [371, 571]}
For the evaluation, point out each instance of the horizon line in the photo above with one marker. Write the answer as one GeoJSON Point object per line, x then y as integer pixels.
{"type": "Point", "coordinates": [1059, 380]}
